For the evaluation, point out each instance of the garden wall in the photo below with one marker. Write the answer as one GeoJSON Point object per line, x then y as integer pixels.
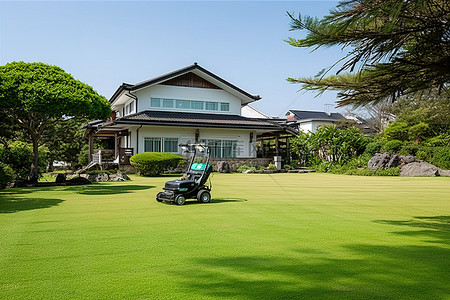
{"type": "Point", "coordinates": [234, 163]}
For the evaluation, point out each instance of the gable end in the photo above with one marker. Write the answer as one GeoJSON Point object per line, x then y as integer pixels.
{"type": "Point", "coordinates": [190, 80]}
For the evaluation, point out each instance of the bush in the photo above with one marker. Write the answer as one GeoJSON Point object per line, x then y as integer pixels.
{"type": "Point", "coordinates": [425, 153]}
{"type": "Point", "coordinates": [19, 156]}
{"type": "Point", "coordinates": [441, 157]}
{"type": "Point", "coordinates": [419, 131]}
{"type": "Point", "coordinates": [440, 140]}
{"type": "Point", "coordinates": [392, 146]}
{"type": "Point", "coordinates": [374, 147]}
{"type": "Point", "coordinates": [397, 131]}
{"type": "Point", "coordinates": [409, 149]}
{"type": "Point", "coordinates": [154, 163]}
{"type": "Point", "coordinates": [244, 168]}
{"type": "Point", "coordinates": [6, 175]}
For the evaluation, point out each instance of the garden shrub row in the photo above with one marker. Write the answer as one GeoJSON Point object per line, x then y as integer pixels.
{"type": "Point", "coordinates": [154, 163]}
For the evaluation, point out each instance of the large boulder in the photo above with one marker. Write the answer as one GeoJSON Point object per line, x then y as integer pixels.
{"type": "Point", "coordinates": [407, 159]}
{"type": "Point", "coordinates": [60, 178]}
{"type": "Point", "coordinates": [419, 169]}
{"type": "Point", "coordinates": [119, 176]}
{"type": "Point", "coordinates": [386, 161]}
{"type": "Point", "coordinates": [78, 181]}
{"type": "Point", "coordinates": [379, 161]}
{"type": "Point", "coordinates": [393, 162]}
{"type": "Point", "coordinates": [100, 177]}
{"type": "Point", "coordinates": [223, 167]}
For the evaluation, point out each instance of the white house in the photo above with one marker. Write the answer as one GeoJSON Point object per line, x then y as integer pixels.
{"type": "Point", "coordinates": [309, 121]}
{"type": "Point", "coordinates": [249, 111]}
{"type": "Point", "coordinates": [188, 105]}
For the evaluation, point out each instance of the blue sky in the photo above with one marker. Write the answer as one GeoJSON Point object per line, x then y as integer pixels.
{"type": "Point", "coordinates": [105, 43]}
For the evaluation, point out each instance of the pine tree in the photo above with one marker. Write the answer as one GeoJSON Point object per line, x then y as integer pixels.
{"type": "Point", "coordinates": [398, 47]}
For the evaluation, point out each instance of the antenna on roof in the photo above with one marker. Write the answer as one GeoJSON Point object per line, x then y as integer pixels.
{"type": "Point", "coordinates": [327, 108]}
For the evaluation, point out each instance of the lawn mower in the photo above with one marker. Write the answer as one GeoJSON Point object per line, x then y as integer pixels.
{"type": "Point", "coordinates": [192, 184]}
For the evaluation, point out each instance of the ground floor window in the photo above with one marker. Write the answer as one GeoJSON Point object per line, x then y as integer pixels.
{"type": "Point", "coordinates": [157, 144]}
{"type": "Point", "coordinates": [221, 148]}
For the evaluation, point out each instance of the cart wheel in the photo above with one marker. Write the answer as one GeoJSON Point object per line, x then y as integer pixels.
{"type": "Point", "coordinates": [157, 197]}
{"type": "Point", "coordinates": [203, 196]}
{"type": "Point", "coordinates": [180, 200]}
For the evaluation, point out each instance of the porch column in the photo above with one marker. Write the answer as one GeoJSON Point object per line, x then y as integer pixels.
{"type": "Point", "coordinates": [91, 146]}
{"type": "Point", "coordinates": [277, 146]}
{"type": "Point", "coordinates": [116, 145]}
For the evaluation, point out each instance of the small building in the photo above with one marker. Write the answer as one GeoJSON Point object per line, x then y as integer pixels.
{"type": "Point", "coordinates": [185, 106]}
{"type": "Point", "coordinates": [309, 121]}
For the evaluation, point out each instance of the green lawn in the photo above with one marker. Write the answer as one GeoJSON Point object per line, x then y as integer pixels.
{"type": "Point", "coordinates": [280, 236]}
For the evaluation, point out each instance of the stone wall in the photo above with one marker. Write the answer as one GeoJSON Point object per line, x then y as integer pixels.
{"type": "Point", "coordinates": [235, 163]}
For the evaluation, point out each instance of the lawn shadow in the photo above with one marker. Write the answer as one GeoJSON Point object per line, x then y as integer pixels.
{"type": "Point", "coordinates": [11, 204]}
{"type": "Point", "coordinates": [369, 272]}
{"type": "Point", "coordinates": [106, 189]}
{"type": "Point", "coordinates": [365, 271]}
{"type": "Point", "coordinates": [436, 227]}
{"type": "Point", "coordinates": [213, 201]}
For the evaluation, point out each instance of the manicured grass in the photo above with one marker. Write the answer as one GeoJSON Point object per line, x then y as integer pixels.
{"type": "Point", "coordinates": [280, 236]}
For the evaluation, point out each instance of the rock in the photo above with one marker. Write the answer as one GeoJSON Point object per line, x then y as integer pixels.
{"type": "Point", "coordinates": [419, 169]}
{"type": "Point", "coordinates": [379, 161]}
{"type": "Point", "coordinates": [119, 176]}
{"type": "Point", "coordinates": [393, 162]}
{"type": "Point", "coordinates": [123, 175]}
{"type": "Point", "coordinates": [114, 177]}
{"type": "Point", "coordinates": [100, 177]}
{"type": "Point", "coordinates": [248, 171]}
{"type": "Point", "coordinates": [223, 167]}
{"type": "Point", "coordinates": [445, 173]}
{"type": "Point", "coordinates": [78, 181]}
{"type": "Point", "coordinates": [407, 159]}
{"type": "Point", "coordinates": [60, 178]}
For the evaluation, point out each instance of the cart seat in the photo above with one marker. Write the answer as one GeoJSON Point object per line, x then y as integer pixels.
{"type": "Point", "coordinates": [179, 184]}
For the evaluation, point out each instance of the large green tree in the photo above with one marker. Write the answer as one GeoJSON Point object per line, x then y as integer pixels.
{"type": "Point", "coordinates": [397, 47]}
{"type": "Point", "coordinates": [37, 96]}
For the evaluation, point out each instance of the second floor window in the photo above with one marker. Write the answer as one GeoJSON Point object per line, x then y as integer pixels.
{"type": "Point", "coordinates": [189, 104]}
{"type": "Point", "coordinates": [130, 108]}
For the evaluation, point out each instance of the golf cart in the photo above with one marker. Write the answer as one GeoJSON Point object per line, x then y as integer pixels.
{"type": "Point", "coordinates": [192, 184]}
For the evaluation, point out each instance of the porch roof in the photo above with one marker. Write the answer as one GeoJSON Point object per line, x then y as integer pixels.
{"type": "Point", "coordinates": [167, 118]}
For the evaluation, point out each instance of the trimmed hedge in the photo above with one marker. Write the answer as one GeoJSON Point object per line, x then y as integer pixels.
{"type": "Point", "coordinates": [154, 163]}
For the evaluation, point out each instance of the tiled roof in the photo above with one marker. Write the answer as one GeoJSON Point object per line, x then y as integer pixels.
{"type": "Point", "coordinates": [168, 118]}
{"type": "Point", "coordinates": [315, 115]}
{"type": "Point", "coordinates": [162, 78]}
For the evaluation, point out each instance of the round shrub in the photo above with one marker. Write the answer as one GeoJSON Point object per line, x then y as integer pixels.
{"type": "Point", "coordinates": [397, 131]}
{"type": "Point", "coordinates": [374, 147]}
{"type": "Point", "coordinates": [154, 163]}
{"type": "Point", "coordinates": [392, 147]}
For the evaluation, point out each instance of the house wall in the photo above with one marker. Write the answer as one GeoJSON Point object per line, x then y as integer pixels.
{"type": "Point", "coordinates": [312, 126]}
{"type": "Point", "coordinates": [187, 93]}
{"type": "Point", "coordinates": [245, 149]}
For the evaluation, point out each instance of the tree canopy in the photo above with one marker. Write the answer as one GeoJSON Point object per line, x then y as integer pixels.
{"type": "Point", "coordinates": [37, 96]}
{"type": "Point", "coordinates": [398, 47]}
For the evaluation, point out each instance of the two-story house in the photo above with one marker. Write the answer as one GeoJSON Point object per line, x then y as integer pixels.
{"type": "Point", "coordinates": [185, 106]}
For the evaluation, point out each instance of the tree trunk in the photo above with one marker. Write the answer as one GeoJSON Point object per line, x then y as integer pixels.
{"type": "Point", "coordinates": [34, 172]}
